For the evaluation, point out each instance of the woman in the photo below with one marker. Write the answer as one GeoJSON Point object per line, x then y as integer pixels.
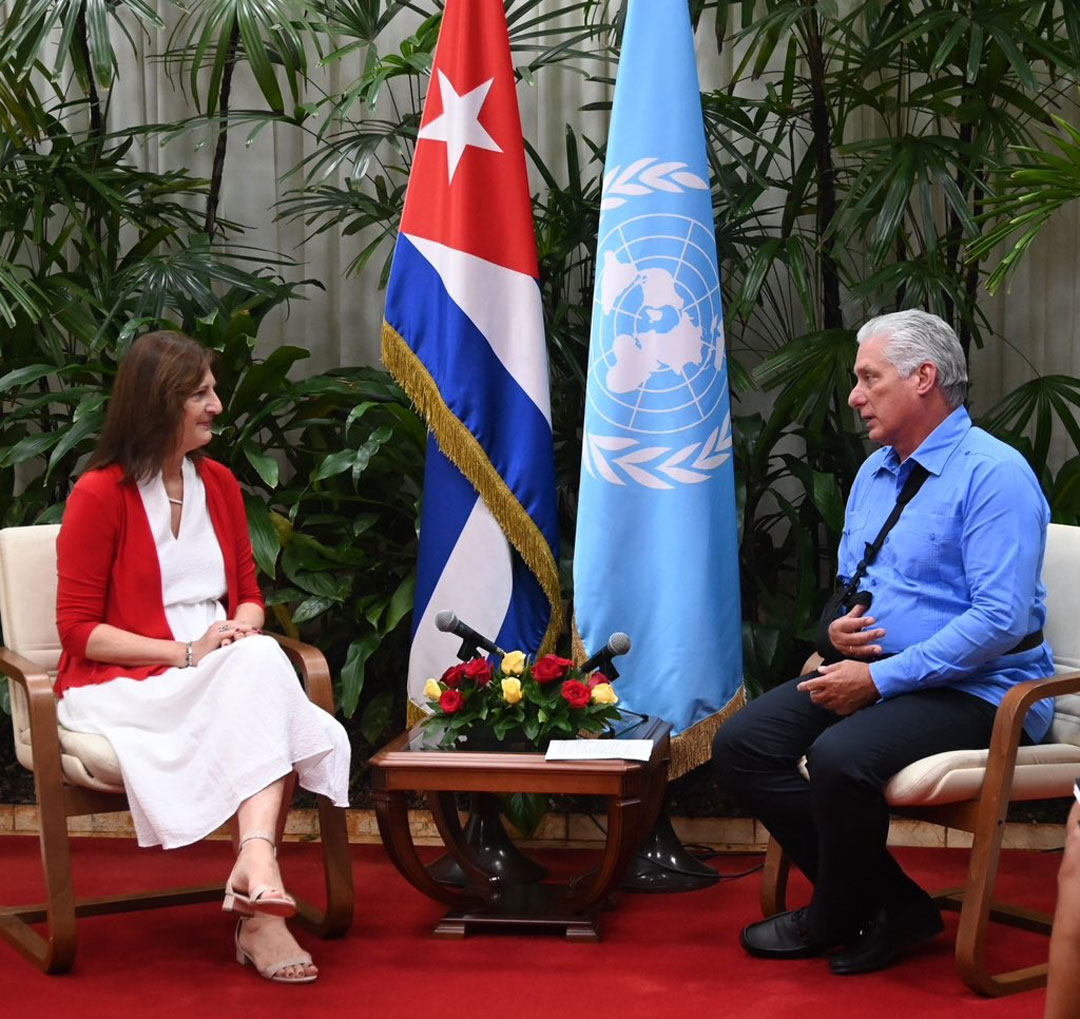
{"type": "Point", "coordinates": [159, 616]}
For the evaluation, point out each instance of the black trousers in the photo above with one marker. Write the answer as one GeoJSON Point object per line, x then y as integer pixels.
{"type": "Point", "coordinates": [835, 827]}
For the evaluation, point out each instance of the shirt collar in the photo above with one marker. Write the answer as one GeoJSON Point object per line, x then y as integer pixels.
{"type": "Point", "coordinates": [937, 447]}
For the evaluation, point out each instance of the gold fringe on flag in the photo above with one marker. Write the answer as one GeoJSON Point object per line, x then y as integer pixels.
{"type": "Point", "coordinates": [414, 714]}
{"type": "Point", "coordinates": [463, 449]}
{"type": "Point", "coordinates": [692, 747]}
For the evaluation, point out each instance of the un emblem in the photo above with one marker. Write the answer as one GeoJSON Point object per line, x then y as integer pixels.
{"type": "Point", "coordinates": [659, 350]}
{"type": "Point", "coordinates": [657, 374]}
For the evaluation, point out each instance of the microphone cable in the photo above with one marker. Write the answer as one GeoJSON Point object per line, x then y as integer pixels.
{"type": "Point", "coordinates": [698, 852]}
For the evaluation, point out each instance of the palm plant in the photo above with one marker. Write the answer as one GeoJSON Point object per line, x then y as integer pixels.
{"type": "Point", "coordinates": [1027, 198]}
{"type": "Point", "coordinates": [91, 248]}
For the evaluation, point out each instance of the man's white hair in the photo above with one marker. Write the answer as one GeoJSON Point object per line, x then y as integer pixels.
{"type": "Point", "coordinates": [914, 337]}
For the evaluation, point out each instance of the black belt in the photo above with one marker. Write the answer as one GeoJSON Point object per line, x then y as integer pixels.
{"type": "Point", "coordinates": [1032, 640]}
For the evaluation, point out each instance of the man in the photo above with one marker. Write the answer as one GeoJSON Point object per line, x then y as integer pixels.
{"type": "Point", "coordinates": [954, 622]}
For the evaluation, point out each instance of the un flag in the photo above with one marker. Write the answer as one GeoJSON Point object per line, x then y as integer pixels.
{"type": "Point", "coordinates": [656, 552]}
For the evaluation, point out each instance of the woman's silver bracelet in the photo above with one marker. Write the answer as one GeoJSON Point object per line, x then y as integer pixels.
{"type": "Point", "coordinates": [188, 661]}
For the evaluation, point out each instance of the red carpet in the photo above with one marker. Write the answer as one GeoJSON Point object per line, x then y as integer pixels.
{"type": "Point", "coordinates": [662, 955]}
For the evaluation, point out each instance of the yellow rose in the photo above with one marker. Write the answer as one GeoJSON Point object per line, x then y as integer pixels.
{"type": "Point", "coordinates": [511, 688]}
{"type": "Point", "coordinates": [513, 664]}
{"type": "Point", "coordinates": [432, 690]}
{"type": "Point", "coordinates": [603, 693]}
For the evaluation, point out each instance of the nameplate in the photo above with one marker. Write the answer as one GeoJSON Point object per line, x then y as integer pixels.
{"type": "Point", "coordinates": [599, 750]}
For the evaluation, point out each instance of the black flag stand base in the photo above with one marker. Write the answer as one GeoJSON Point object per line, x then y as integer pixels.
{"type": "Point", "coordinates": [662, 864]}
{"type": "Point", "coordinates": [495, 851]}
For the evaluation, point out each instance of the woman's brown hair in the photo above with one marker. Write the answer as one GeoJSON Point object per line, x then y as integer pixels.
{"type": "Point", "coordinates": [142, 425]}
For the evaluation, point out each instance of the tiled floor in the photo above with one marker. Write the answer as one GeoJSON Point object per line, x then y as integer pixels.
{"type": "Point", "coordinates": [726, 833]}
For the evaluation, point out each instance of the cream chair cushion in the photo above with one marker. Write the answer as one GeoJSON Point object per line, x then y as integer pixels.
{"type": "Point", "coordinates": [1042, 772]}
{"type": "Point", "coordinates": [28, 616]}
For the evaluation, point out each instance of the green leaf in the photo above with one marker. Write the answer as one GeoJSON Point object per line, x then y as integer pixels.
{"type": "Point", "coordinates": [310, 608]}
{"type": "Point", "coordinates": [84, 428]}
{"type": "Point", "coordinates": [373, 611]}
{"type": "Point", "coordinates": [28, 448]}
{"type": "Point", "coordinates": [265, 543]}
{"type": "Point", "coordinates": [401, 603]}
{"type": "Point", "coordinates": [265, 465]}
{"type": "Point", "coordinates": [334, 464]}
{"type": "Point", "coordinates": [525, 811]}
{"type": "Point", "coordinates": [29, 373]}
{"type": "Point", "coordinates": [330, 586]}
{"type": "Point", "coordinates": [352, 673]}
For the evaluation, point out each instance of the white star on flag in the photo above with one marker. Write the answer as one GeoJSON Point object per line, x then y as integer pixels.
{"type": "Point", "coordinates": [459, 123]}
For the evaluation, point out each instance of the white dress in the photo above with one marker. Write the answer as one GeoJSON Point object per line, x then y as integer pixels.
{"type": "Point", "coordinates": [194, 743]}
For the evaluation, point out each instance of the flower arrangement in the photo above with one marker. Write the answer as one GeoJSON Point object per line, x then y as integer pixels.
{"type": "Point", "coordinates": [518, 699]}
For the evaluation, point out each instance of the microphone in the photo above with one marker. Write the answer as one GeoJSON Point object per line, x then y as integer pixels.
{"type": "Point", "coordinates": [470, 639]}
{"type": "Point", "coordinates": [618, 644]}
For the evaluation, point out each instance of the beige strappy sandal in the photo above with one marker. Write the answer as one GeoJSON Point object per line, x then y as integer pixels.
{"type": "Point", "coordinates": [269, 900]}
{"type": "Point", "coordinates": [270, 972]}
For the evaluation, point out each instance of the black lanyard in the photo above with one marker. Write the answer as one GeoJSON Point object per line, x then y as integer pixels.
{"type": "Point", "coordinates": [844, 599]}
{"type": "Point", "coordinates": [914, 482]}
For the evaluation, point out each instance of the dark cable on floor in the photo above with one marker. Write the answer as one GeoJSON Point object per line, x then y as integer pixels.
{"type": "Point", "coordinates": [699, 852]}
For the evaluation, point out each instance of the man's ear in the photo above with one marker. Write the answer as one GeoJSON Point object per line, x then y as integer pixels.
{"type": "Point", "coordinates": [926, 376]}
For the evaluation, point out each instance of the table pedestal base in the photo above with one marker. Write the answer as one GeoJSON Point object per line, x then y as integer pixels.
{"type": "Point", "coordinates": [634, 792]}
{"type": "Point", "coordinates": [529, 909]}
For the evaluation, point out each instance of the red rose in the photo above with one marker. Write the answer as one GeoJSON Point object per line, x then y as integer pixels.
{"type": "Point", "coordinates": [597, 678]}
{"type": "Point", "coordinates": [451, 701]}
{"type": "Point", "coordinates": [577, 693]}
{"type": "Point", "coordinates": [478, 670]}
{"type": "Point", "coordinates": [550, 667]}
{"type": "Point", "coordinates": [453, 676]}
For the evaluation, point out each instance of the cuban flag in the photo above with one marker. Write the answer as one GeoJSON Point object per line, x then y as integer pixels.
{"type": "Point", "coordinates": [463, 334]}
{"type": "Point", "coordinates": [656, 553]}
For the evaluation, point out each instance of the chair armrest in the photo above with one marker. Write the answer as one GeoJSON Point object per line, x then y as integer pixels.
{"type": "Point", "coordinates": [314, 671]}
{"type": "Point", "coordinates": [1005, 740]}
{"type": "Point", "coordinates": [1014, 706]}
{"type": "Point", "coordinates": [41, 706]}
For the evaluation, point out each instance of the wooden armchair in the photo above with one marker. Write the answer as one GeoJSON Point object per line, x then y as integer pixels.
{"type": "Point", "coordinates": [971, 790]}
{"type": "Point", "coordinates": [77, 773]}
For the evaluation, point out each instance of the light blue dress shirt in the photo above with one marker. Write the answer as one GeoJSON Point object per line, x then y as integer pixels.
{"type": "Point", "coordinates": [958, 581]}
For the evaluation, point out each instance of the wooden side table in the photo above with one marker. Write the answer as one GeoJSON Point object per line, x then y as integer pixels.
{"type": "Point", "coordinates": [634, 791]}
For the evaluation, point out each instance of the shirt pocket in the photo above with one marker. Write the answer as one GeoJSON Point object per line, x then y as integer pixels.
{"type": "Point", "coordinates": [853, 541]}
{"type": "Point", "coordinates": [936, 547]}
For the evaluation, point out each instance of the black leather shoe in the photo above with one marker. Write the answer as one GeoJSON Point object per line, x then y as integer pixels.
{"type": "Point", "coordinates": [783, 936]}
{"type": "Point", "coordinates": [885, 938]}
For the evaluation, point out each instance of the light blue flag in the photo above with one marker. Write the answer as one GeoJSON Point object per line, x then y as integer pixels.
{"type": "Point", "coordinates": [656, 553]}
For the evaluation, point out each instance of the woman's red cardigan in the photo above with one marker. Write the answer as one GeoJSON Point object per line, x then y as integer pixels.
{"type": "Point", "coordinates": [108, 570]}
